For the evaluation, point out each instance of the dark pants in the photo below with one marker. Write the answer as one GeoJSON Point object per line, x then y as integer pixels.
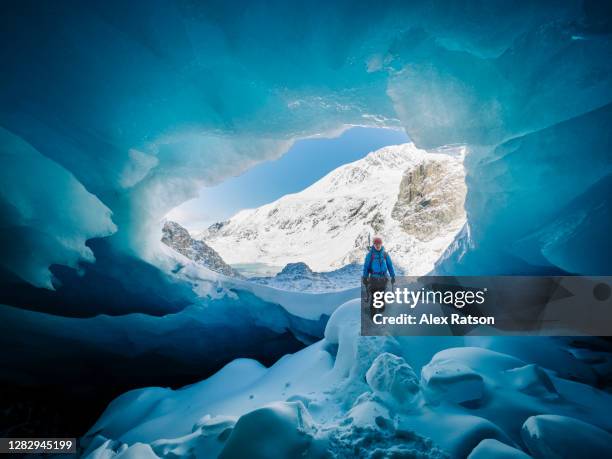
{"type": "Point", "coordinates": [376, 284]}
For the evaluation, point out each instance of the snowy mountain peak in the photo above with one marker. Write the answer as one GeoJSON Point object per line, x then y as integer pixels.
{"type": "Point", "coordinates": [377, 164]}
{"type": "Point", "coordinates": [413, 197]}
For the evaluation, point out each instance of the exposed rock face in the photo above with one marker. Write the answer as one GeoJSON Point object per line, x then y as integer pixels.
{"type": "Point", "coordinates": [178, 238]}
{"type": "Point", "coordinates": [297, 269]}
{"type": "Point", "coordinates": [299, 277]}
{"type": "Point", "coordinates": [430, 197]}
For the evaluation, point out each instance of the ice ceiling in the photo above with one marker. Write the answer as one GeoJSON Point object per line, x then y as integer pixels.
{"type": "Point", "coordinates": [111, 115]}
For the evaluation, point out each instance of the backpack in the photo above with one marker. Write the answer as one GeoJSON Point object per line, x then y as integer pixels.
{"type": "Point", "coordinates": [382, 257]}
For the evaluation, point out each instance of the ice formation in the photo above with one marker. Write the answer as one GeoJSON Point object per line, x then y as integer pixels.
{"type": "Point", "coordinates": [37, 229]}
{"type": "Point", "coordinates": [525, 90]}
{"type": "Point", "coordinates": [349, 396]}
{"type": "Point", "coordinates": [111, 115]}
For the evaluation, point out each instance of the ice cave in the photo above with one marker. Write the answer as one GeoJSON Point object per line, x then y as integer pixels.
{"type": "Point", "coordinates": [112, 114]}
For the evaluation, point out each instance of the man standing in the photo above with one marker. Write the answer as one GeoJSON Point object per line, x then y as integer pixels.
{"type": "Point", "coordinates": [375, 268]}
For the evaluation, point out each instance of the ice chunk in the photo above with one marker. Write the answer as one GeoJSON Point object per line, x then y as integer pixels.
{"type": "Point", "coordinates": [479, 358]}
{"type": "Point", "coordinates": [451, 381]}
{"type": "Point", "coordinates": [277, 430]}
{"type": "Point", "coordinates": [354, 353]}
{"type": "Point", "coordinates": [553, 436]}
{"type": "Point", "coordinates": [551, 354]}
{"type": "Point", "coordinates": [533, 380]}
{"type": "Point", "coordinates": [369, 411]}
{"type": "Point", "coordinates": [490, 448]}
{"type": "Point", "coordinates": [458, 434]}
{"type": "Point", "coordinates": [390, 374]}
{"type": "Point", "coordinates": [114, 450]}
{"type": "Point", "coordinates": [207, 439]}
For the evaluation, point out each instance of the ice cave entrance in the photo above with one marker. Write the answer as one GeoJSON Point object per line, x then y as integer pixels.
{"type": "Point", "coordinates": [307, 216]}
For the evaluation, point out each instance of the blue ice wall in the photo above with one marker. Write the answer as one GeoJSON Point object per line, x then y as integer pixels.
{"type": "Point", "coordinates": [540, 202]}
{"type": "Point", "coordinates": [145, 104]}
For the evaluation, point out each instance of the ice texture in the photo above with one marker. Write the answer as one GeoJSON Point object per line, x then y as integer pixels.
{"type": "Point", "coordinates": [276, 430]}
{"type": "Point", "coordinates": [113, 114]}
{"type": "Point", "coordinates": [553, 436]}
{"type": "Point", "coordinates": [46, 214]}
{"type": "Point", "coordinates": [510, 231]}
{"type": "Point", "coordinates": [490, 448]}
{"type": "Point", "coordinates": [391, 374]}
{"type": "Point", "coordinates": [198, 94]}
{"type": "Point", "coordinates": [357, 396]}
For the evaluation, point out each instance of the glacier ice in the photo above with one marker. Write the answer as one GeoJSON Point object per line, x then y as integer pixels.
{"type": "Point", "coordinates": [47, 215]}
{"type": "Point", "coordinates": [547, 436]}
{"type": "Point", "coordinates": [507, 223]}
{"type": "Point", "coordinates": [451, 381]}
{"type": "Point", "coordinates": [391, 374]}
{"type": "Point", "coordinates": [126, 111]}
{"type": "Point", "coordinates": [282, 429]}
{"type": "Point", "coordinates": [493, 448]}
{"type": "Point", "coordinates": [196, 104]}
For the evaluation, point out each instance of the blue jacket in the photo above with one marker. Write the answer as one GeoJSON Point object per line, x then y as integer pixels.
{"type": "Point", "coordinates": [377, 263]}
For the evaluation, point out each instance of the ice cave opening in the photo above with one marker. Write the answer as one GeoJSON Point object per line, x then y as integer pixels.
{"type": "Point", "coordinates": [304, 222]}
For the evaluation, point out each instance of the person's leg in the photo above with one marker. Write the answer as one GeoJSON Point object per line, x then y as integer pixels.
{"type": "Point", "coordinates": [371, 297]}
{"type": "Point", "coordinates": [382, 287]}
{"type": "Point", "coordinates": [377, 284]}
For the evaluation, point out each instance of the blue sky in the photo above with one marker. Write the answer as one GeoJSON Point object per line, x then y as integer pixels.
{"type": "Point", "coordinates": [306, 161]}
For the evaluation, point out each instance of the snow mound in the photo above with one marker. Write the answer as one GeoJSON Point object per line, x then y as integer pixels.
{"type": "Point", "coordinates": [208, 438]}
{"type": "Point", "coordinates": [452, 381]}
{"type": "Point", "coordinates": [553, 436]}
{"type": "Point", "coordinates": [491, 448]}
{"type": "Point", "coordinates": [283, 429]}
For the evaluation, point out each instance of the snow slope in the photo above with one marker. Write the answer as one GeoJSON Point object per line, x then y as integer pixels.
{"type": "Point", "coordinates": [394, 191]}
{"type": "Point", "coordinates": [353, 396]}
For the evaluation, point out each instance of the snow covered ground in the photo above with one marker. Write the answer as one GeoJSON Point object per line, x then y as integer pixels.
{"type": "Point", "coordinates": [351, 396]}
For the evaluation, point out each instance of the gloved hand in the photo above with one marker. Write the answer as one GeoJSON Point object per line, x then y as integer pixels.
{"type": "Point", "coordinates": [364, 280]}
